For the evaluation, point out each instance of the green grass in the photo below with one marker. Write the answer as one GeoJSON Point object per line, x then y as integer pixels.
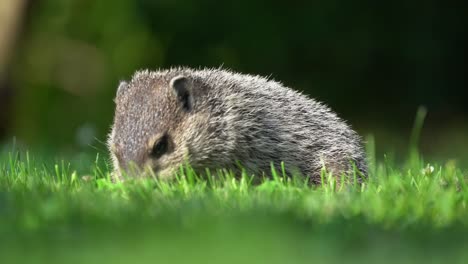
{"type": "Point", "coordinates": [50, 214]}
{"type": "Point", "coordinates": [62, 212]}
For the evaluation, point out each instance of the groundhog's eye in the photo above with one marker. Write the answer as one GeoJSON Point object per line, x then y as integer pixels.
{"type": "Point", "coordinates": [160, 147]}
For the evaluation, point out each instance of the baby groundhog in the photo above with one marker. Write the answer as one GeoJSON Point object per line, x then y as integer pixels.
{"type": "Point", "coordinates": [214, 118]}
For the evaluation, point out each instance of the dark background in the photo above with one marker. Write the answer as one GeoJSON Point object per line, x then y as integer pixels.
{"type": "Point", "coordinates": [374, 63]}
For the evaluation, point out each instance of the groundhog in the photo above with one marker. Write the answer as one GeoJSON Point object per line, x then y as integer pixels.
{"type": "Point", "coordinates": [218, 119]}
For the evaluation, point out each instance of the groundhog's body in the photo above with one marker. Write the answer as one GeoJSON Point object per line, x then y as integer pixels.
{"type": "Point", "coordinates": [219, 119]}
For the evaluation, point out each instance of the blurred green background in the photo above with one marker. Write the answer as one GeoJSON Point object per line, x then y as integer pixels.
{"type": "Point", "coordinates": [374, 63]}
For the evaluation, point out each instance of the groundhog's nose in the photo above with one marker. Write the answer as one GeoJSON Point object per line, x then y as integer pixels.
{"type": "Point", "coordinates": [130, 160]}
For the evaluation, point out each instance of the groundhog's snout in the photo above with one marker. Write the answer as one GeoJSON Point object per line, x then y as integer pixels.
{"type": "Point", "coordinates": [133, 170]}
{"type": "Point", "coordinates": [143, 169]}
{"type": "Point", "coordinates": [132, 164]}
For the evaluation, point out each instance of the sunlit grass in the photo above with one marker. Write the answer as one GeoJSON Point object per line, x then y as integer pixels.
{"type": "Point", "coordinates": [55, 212]}
{"type": "Point", "coordinates": [429, 194]}
{"type": "Point", "coordinates": [414, 208]}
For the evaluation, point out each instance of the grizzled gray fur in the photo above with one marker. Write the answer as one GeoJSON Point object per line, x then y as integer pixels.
{"type": "Point", "coordinates": [214, 118]}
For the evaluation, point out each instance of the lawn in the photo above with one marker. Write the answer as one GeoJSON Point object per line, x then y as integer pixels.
{"type": "Point", "coordinates": [59, 212]}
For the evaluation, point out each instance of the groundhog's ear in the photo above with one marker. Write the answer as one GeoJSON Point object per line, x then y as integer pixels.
{"type": "Point", "coordinates": [182, 87]}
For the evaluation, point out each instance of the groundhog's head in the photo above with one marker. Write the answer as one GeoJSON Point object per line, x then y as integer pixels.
{"type": "Point", "coordinates": [158, 126]}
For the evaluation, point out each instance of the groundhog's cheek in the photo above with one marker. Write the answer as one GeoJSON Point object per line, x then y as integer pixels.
{"type": "Point", "coordinates": [166, 174]}
{"type": "Point", "coordinates": [149, 165]}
